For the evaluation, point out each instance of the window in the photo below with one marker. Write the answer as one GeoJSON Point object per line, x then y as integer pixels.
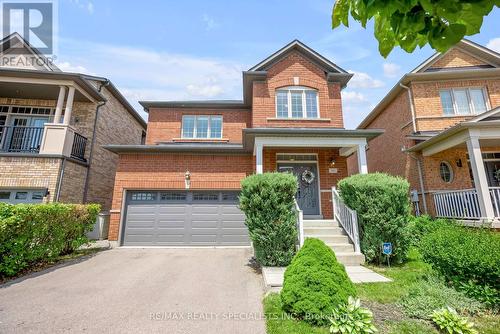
{"type": "Point", "coordinates": [296, 102]}
{"type": "Point", "coordinates": [143, 196]}
{"type": "Point", "coordinates": [446, 172]}
{"type": "Point", "coordinates": [205, 197]}
{"type": "Point", "coordinates": [21, 195]}
{"type": "Point", "coordinates": [463, 101]}
{"type": "Point", "coordinates": [4, 194]}
{"type": "Point", "coordinates": [202, 127]}
{"type": "Point", "coordinates": [173, 196]}
{"type": "Point", "coordinates": [38, 195]}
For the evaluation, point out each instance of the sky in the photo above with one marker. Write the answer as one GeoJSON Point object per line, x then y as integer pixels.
{"type": "Point", "coordinates": [188, 50]}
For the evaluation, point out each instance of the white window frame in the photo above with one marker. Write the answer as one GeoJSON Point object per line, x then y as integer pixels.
{"type": "Point", "coordinates": [469, 100]}
{"type": "Point", "coordinates": [208, 130]}
{"type": "Point", "coordinates": [288, 91]}
{"type": "Point", "coordinates": [452, 173]}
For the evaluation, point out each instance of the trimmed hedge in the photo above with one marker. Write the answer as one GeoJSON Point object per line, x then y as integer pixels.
{"type": "Point", "coordinates": [268, 202]}
{"type": "Point", "coordinates": [33, 233]}
{"type": "Point", "coordinates": [315, 283]}
{"type": "Point", "coordinates": [467, 257]}
{"type": "Point", "coordinates": [423, 225]}
{"type": "Point", "coordinates": [383, 207]}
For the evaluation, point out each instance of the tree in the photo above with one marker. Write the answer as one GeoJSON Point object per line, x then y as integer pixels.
{"type": "Point", "coordinates": [412, 23]}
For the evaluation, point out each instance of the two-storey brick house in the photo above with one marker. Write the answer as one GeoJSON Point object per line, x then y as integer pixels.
{"type": "Point", "coordinates": [181, 187]}
{"type": "Point", "coordinates": [53, 125]}
{"type": "Point", "coordinates": [442, 133]}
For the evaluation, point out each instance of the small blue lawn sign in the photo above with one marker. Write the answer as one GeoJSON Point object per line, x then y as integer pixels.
{"type": "Point", "coordinates": [387, 250]}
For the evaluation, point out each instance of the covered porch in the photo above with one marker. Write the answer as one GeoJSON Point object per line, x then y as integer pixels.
{"type": "Point", "coordinates": [467, 183]}
{"type": "Point", "coordinates": [318, 157]}
{"type": "Point", "coordinates": [36, 113]}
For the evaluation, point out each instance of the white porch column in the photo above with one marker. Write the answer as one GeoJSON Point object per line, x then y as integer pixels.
{"type": "Point", "coordinates": [362, 165]}
{"type": "Point", "coordinates": [259, 167]}
{"type": "Point", "coordinates": [480, 179]}
{"type": "Point", "coordinates": [69, 105]}
{"type": "Point", "coordinates": [60, 104]}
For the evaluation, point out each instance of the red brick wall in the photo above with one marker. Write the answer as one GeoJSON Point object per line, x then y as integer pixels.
{"type": "Point", "coordinates": [310, 75]}
{"type": "Point", "coordinates": [428, 109]}
{"type": "Point", "coordinates": [164, 124]}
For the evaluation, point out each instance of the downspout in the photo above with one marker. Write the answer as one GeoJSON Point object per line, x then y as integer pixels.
{"type": "Point", "coordinates": [60, 179]}
{"type": "Point", "coordinates": [421, 180]}
{"type": "Point", "coordinates": [412, 107]}
{"type": "Point", "coordinates": [91, 153]}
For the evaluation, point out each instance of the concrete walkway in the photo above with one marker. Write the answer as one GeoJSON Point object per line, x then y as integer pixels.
{"type": "Point", "coordinates": [274, 276]}
{"type": "Point", "coordinates": [139, 291]}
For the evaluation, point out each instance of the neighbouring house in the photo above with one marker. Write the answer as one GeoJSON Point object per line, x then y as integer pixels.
{"type": "Point", "coordinates": [181, 187]}
{"type": "Point", "coordinates": [53, 125]}
{"type": "Point", "coordinates": [442, 133]}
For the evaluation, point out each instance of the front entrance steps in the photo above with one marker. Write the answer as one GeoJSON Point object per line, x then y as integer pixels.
{"type": "Point", "coordinates": [332, 234]}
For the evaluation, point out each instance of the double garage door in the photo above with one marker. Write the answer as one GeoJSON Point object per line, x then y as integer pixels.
{"type": "Point", "coordinates": [184, 218]}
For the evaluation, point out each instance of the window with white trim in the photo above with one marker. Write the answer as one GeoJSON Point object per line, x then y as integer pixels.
{"type": "Point", "coordinates": [201, 127]}
{"type": "Point", "coordinates": [446, 172]}
{"type": "Point", "coordinates": [297, 102]}
{"type": "Point", "coordinates": [463, 101]}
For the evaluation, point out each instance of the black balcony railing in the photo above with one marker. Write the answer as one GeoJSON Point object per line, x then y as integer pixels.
{"type": "Point", "coordinates": [79, 145]}
{"type": "Point", "coordinates": [20, 139]}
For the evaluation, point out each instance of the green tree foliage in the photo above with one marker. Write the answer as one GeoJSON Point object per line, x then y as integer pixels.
{"type": "Point", "coordinates": [412, 23]}
{"type": "Point", "coordinates": [268, 202]}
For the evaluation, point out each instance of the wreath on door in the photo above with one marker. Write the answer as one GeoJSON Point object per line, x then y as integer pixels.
{"type": "Point", "coordinates": [308, 176]}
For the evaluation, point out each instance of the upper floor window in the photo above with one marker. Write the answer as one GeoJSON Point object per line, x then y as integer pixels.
{"type": "Point", "coordinates": [296, 102]}
{"type": "Point", "coordinates": [463, 101]}
{"type": "Point", "coordinates": [202, 126]}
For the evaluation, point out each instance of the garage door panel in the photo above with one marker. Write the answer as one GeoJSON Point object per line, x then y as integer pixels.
{"type": "Point", "coordinates": [195, 219]}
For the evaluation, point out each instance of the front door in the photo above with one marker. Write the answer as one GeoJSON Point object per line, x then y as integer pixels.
{"type": "Point", "coordinates": [493, 172]}
{"type": "Point", "coordinates": [307, 185]}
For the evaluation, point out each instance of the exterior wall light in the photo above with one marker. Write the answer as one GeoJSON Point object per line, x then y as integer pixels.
{"type": "Point", "coordinates": [187, 179]}
{"type": "Point", "coordinates": [332, 162]}
{"type": "Point", "coordinates": [459, 162]}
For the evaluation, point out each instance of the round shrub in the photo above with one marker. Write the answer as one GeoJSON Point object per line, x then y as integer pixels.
{"type": "Point", "coordinates": [383, 207]}
{"type": "Point", "coordinates": [315, 283]}
{"type": "Point", "coordinates": [268, 202]}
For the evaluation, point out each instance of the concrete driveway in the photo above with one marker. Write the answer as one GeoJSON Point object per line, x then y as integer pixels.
{"type": "Point", "coordinates": [139, 291]}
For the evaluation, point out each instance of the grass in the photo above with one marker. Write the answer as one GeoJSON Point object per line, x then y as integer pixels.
{"type": "Point", "coordinates": [402, 277]}
{"type": "Point", "coordinates": [381, 298]}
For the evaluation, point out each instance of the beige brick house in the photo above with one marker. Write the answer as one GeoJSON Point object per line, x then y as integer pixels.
{"type": "Point", "coordinates": [442, 133]}
{"type": "Point", "coordinates": [53, 125]}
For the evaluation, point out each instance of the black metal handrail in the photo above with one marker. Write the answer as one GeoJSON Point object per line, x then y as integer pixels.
{"type": "Point", "coordinates": [20, 139]}
{"type": "Point", "coordinates": [79, 146]}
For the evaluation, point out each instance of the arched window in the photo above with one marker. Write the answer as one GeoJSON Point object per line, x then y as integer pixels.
{"type": "Point", "coordinates": [297, 102]}
{"type": "Point", "coordinates": [446, 172]}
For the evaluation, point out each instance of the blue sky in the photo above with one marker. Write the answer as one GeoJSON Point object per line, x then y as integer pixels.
{"type": "Point", "coordinates": [171, 50]}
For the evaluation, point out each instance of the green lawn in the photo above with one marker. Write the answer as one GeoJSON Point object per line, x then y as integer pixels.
{"type": "Point", "coordinates": [381, 299]}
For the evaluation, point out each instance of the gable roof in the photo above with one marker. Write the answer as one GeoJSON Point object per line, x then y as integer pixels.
{"type": "Point", "coordinates": [297, 45]}
{"type": "Point", "coordinates": [475, 50]}
{"type": "Point", "coordinates": [258, 72]}
{"type": "Point", "coordinates": [420, 74]}
{"type": "Point", "coordinates": [13, 39]}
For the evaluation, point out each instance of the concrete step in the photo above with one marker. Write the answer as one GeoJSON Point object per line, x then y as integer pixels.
{"type": "Point", "coordinates": [328, 230]}
{"type": "Point", "coordinates": [336, 239]}
{"type": "Point", "coordinates": [321, 223]}
{"type": "Point", "coordinates": [341, 248]}
{"type": "Point", "coordinates": [350, 258]}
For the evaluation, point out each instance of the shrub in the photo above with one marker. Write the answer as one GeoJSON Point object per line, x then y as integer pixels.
{"type": "Point", "coordinates": [315, 283]}
{"type": "Point", "coordinates": [423, 225]}
{"type": "Point", "coordinates": [352, 318]}
{"type": "Point", "coordinates": [424, 296]}
{"type": "Point", "coordinates": [382, 204]}
{"type": "Point", "coordinates": [467, 257]}
{"type": "Point", "coordinates": [448, 321]}
{"type": "Point", "coordinates": [37, 233]}
{"type": "Point", "coordinates": [268, 202]}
